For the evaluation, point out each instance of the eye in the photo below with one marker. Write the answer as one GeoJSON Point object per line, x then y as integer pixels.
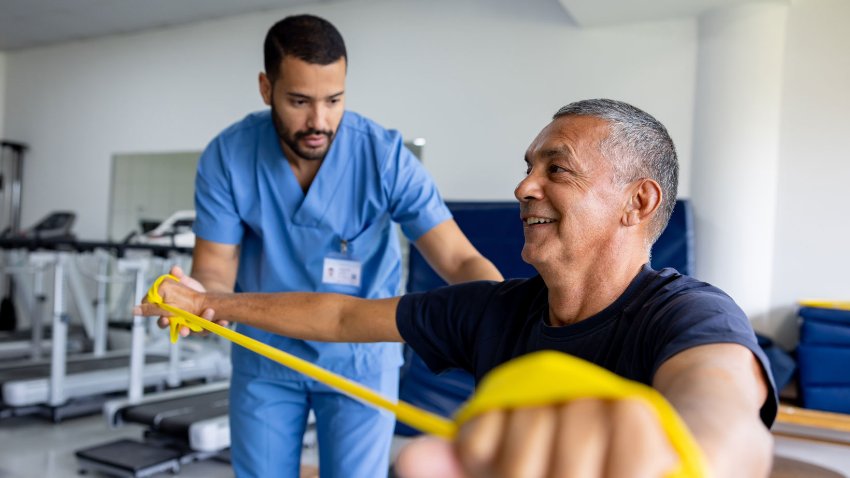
{"type": "Point", "coordinates": [527, 169]}
{"type": "Point", "coordinates": [334, 101]}
{"type": "Point", "coordinates": [299, 102]}
{"type": "Point", "coordinates": [554, 169]}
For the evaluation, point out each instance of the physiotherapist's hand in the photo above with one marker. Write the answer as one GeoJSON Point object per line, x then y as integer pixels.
{"type": "Point", "coordinates": [186, 295]}
{"type": "Point", "coordinates": [582, 438]}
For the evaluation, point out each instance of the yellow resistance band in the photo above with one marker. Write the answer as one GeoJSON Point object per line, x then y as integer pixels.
{"type": "Point", "coordinates": [413, 416]}
{"type": "Point", "coordinates": [540, 378]}
{"type": "Point", "coordinates": [547, 377]}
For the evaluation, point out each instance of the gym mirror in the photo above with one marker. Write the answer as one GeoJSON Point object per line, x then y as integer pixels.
{"type": "Point", "coordinates": [148, 188]}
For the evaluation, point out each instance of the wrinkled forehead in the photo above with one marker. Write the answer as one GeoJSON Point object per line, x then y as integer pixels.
{"type": "Point", "coordinates": [574, 135]}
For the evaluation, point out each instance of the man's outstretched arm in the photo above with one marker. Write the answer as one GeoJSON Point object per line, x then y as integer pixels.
{"type": "Point", "coordinates": [302, 315]}
{"type": "Point", "coordinates": [718, 390]}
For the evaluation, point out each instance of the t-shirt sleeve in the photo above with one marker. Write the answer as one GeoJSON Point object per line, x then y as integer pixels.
{"type": "Point", "coordinates": [216, 216]}
{"type": "Point", "coordinates": [710, 317]}
{"type": "Point", "coordinates": [415, 202]}
{"type": "Point", "coordinates": [440, 325]}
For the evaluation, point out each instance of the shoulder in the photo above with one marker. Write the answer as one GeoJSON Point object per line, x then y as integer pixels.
{"type": "Point", "coordinates": [681, 312]}
{"type": "Point", "coordinates": [362, 126]}
{"type": "Point", "coordinates": [358, 131]}
{"type": "Point", "coordinates": [236, 141]}
{"type": "Point", "coordinates": [668, 291]}
{"type": "Point", "coordinates": [675, 311]}
{"type": "Point", "coordinates": [250, 125]}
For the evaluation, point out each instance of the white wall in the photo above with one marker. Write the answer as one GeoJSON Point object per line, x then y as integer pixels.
{"type": "Point", "coordinates": [736, 149]}
{"type": "Point", "coordinates": [812, 249]}
{"type": "Point", "coordinates": [477, 78]}
{"type": "Point", "coordinates": [2, 91]}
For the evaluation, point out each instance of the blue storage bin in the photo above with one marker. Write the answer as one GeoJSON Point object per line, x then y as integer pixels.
{"type": "Point", "coordinates": [822, 314]}
{"type": "Point", "coordinates": [823, 365]}
{"type": "Point", "coordinates": [820, 332]}
{"type": "Point", "coordinates": [830, 399]}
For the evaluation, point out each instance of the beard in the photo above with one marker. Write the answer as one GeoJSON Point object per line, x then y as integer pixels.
{"type": "Point", "coordinates": [292, 140]}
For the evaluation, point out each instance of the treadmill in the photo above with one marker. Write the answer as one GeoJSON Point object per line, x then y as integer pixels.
{"type": "Point", "coordinates": [184, 426]}
{"type": "Point", "coordinates": [32, 343]}
{"type": "Point", "coordinates": [71, 387]}
{"type": "Point", "coordinates": [195, 416]}
{"type": "Point", "coordinates": [20, 344]}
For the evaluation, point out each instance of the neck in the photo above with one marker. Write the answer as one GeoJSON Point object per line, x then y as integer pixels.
{"type": "Point", "coordinates": [305, 170]}
{"type": "Point", "coordinates": [577, 292]}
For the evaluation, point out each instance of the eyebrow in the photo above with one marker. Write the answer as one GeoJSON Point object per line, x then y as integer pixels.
{"type": "Point", "coordinates": [556, 152]}
{"type": "Point", "coordinates": [307, 97]}
{"type": "Point", "coordinates": [553, 152]}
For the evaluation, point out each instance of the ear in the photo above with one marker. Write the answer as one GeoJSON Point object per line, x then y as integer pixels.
{"type": "Point", "coordinates": [265, 89]}
{"type": "Point", "coordinates": [644, 198]}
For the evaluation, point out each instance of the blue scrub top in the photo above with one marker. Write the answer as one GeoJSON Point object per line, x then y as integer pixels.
{"type": "Point", "coordinates": [247, 194]}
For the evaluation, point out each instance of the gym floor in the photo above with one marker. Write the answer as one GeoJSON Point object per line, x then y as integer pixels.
{"type": "Point", "coordinates": [35, 447]}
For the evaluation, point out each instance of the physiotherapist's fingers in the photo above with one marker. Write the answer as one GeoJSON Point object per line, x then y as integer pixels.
{"type": "Point", "coordinates": [177, 272]}
{"type": "Point", "coordinates": [187, 280]}
{"type": "Point", "coordinates": [209, 314]}
{"type": "Point", "coordinates": [428, 457]}
{"type": "Point", "coordinates": [149, 310]}
{"type": "Point", "coordinates": [527, 443]}
{"type": "Point", "coordinates": [478, 442]}
{"type": "Point", "coordinates": [581, 440]}
{"type": "Point", "coordinates": [638, 448]}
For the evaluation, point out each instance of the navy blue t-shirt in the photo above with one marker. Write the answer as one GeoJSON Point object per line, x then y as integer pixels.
{"type": "Point", "coordinates": [477, 326]}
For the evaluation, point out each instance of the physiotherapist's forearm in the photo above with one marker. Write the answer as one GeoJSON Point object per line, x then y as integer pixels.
{"type": "Point", "coordinates": [453, 257]}
{"type": "Point", "coordinates": [211, 281]}
{"type": "Point", "coordinates": [474, 268]}
{"type": "Point", "coordinates": [310, 316]}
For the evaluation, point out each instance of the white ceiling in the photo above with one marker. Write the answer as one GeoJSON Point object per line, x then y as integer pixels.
{"type": "Point", "coordinates": [30, 23]}
{"type": "Point", "coordinates": [590, 13]}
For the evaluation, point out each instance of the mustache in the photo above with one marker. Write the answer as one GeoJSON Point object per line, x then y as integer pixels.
{"type": "Point", "coordinates": [311, 132]}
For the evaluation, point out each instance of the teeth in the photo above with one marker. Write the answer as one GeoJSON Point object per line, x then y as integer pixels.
{"type": "Point", "coordinates": [538, 220]}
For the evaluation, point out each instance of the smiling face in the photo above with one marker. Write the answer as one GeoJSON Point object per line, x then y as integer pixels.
{"type": "Point", "coordinates": [570, 204]}
{"type": "Point", "coordinates": [307, 101]}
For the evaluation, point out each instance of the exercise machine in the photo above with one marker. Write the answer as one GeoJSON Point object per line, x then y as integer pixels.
{"type": "Point", "coordinates": [27, 271]}
{"type": "Point", "coordinates": [69, 387]}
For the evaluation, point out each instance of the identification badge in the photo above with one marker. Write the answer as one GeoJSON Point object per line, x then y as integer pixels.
{"type": "Point", "coordinates": [341, 272]}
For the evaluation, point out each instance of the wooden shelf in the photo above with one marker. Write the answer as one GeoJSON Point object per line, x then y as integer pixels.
{"type": "Point", "coordinates": [813, 424]}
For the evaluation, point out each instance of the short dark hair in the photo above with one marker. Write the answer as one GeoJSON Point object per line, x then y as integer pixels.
{"type": "Point", "coordinates": [638, 146]}
{"type": "Point", "coordinates": [306, 37]}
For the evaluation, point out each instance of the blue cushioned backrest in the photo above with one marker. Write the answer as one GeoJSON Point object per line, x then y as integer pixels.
{"type": "Point", "coordinates": [495, 229]}
{"type": "Point", "coordinates": [675, 247]}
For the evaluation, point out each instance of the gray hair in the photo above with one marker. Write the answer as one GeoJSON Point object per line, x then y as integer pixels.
{"type": "Point", "coordinates": [638, 146]}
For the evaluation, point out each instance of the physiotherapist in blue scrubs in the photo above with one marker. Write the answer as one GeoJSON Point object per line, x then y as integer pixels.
{"type": "Point", "coordinates": [302, 197]}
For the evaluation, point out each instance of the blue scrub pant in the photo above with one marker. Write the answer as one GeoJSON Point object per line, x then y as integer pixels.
{"type": "Point", "coordinates": [268, 418]}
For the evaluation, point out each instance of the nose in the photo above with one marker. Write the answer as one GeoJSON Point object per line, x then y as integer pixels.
{"type": "Point", "coordinates": [318, 117]}
{"type": "Point", "coordinates": [529, 188]}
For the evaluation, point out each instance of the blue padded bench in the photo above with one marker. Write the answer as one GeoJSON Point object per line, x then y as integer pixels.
{"type": "Point", "coordinates": [495, 229]}
{"type": "Point", "coordinates": [823, 358]}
